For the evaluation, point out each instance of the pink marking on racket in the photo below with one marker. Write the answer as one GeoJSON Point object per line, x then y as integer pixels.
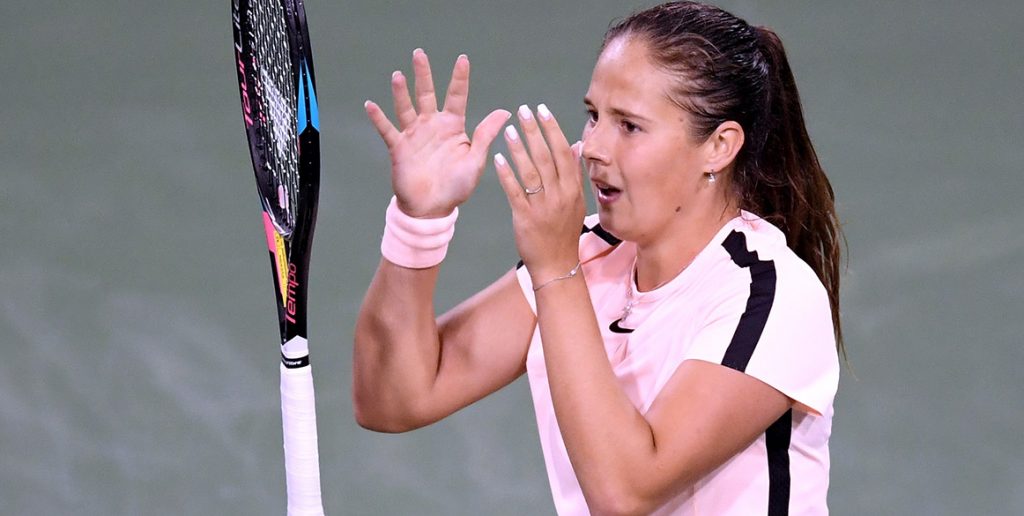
{"type": "Point", "coordinates": [268, 227]}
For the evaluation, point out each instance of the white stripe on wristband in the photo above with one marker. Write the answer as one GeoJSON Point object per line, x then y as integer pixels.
{"type": "Point", "coordinates": [416, 243]}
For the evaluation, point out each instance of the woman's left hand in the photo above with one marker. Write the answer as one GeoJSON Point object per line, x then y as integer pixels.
{"type": "Point", "coordinates": [547, 199]}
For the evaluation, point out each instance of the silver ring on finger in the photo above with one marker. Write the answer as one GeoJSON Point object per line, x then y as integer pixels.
{"type": "Point", "coordinates": [532, 191]}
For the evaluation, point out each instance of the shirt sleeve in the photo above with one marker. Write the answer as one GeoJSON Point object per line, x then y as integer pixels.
{"type": "Point", "coordinates": [526, 283]}
{"type": "Point", "coordinates": [779, 332]}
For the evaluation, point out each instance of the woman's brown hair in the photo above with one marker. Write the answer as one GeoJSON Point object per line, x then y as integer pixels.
{"type": "Point", "coordinates": [730, 70]}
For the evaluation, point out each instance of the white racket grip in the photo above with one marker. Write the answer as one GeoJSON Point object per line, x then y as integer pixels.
{"type": "Point", "coordinates": [298, 415]}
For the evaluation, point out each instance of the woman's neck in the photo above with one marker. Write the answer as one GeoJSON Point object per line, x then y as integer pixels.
{"type": "Point", "coordinates": [662, 259]}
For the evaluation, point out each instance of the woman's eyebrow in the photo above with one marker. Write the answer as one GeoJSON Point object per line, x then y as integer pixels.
{"type": "Point", "coordinates": [617, 111]}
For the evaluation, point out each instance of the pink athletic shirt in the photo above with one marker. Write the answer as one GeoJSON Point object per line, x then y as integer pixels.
{"type": "Point", "coordinates": [746, 302]}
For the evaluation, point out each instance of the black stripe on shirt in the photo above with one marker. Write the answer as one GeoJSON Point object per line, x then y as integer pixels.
{"type": "Point", "coordinates": [737, 356]}
{"type": "Point", "coordinates": [605, 235]}
{"type": "Point", "coordinates": [759, 304]}
{"type": "Point", "coordinates": [777, 439]}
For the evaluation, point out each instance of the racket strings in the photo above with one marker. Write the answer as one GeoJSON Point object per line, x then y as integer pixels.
{"type": "Point", "coordinates": [275, 90]}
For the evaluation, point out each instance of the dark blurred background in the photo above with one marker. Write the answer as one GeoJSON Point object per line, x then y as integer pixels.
{"type": "Point", "coordinates": [137, 327]}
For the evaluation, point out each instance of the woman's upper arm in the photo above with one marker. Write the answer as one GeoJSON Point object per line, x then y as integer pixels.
{"type": "Point", "coordinates": [706, 414]}
{"type": "Point", "coordinates": [484, 341]}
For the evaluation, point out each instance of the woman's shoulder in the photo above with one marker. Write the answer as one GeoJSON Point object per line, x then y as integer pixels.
{"type": "Point", "coordinates": [757, 244]}
{"type": "Point", "coordinates": [751, 263]}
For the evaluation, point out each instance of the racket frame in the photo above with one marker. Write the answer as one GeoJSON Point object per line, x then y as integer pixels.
{"type": "Point", "coordinates": [289, 246]}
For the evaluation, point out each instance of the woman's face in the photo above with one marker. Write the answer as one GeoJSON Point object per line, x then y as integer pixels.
{"type": "Point", "coordinates": [645, 168]}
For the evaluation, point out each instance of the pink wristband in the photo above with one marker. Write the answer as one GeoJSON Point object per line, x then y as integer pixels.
{"type": "Point", "coordinates": [416, 243]}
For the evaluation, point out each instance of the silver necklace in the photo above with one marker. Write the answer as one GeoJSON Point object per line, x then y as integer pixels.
{"type": "Point", "coordinates": [634, 298]}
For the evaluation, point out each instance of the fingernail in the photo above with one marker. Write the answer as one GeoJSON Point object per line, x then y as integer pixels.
{"type": "Point", "coordinates": [511, 134]}
{"type": "Point", "coordinates": [525, 113]}
{"type": "Point", "coordinates": [578, 149]}
{"type": "Point", "coordinates": [500, 160]}
{"type": "Point", "coordinates": [366, 104]}
{"type": "Point", "coordinates": [396, 74]}
{"type": "Point", "coordinates": [417, 51]}
{"type": "Point", "coordinates": [542, 110]}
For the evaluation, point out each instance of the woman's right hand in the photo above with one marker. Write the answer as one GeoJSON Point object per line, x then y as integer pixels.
{"type": "Point", "coordinates": [434, 164]}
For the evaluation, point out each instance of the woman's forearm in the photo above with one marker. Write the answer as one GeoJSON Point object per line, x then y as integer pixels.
{"type": "Point", "coordinates": [605, 436]}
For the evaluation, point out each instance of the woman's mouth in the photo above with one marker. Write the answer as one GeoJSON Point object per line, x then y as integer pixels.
{"type": "Point", "coordinates": [606, 194]}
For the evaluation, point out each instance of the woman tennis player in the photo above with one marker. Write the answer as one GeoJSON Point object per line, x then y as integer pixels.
{"type": "Point", "coordinates": [682, 352]}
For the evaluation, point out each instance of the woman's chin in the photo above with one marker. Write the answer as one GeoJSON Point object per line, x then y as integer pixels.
{"type": "Point", "coordinates": [608, 221]}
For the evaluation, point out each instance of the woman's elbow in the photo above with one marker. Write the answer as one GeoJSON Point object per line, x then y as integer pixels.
{"type": "Point", "coordinates": [372, 414]}
{"type": "Point", "coordinates": [624, 496]}
{"type": "Point", "coordinates": [618, 502]}
{"type": "Point", "coordinates": [618, 507]}
{"type": "Point", "coordinates": [368, 419]}
{"type": "Point", "coordinates": [375, 422]}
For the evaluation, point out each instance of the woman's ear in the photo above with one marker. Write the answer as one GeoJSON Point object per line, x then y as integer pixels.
{"type": "Point", "coordinates": [722, 146]}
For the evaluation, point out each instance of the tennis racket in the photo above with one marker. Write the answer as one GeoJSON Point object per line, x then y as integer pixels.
{"type": "Point", "coordinates": [282, 123]}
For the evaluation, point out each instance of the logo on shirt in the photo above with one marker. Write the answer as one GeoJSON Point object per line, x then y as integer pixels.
{"type": "Point", "coordinates": [615, 328]}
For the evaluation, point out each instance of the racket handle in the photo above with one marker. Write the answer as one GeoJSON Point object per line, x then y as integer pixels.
{"type": "Point", "coordinates": [301, 456]}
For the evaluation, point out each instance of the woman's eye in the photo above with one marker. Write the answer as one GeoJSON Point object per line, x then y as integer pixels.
{"type": "Point", "coordinates": [591, 115]}
{"type": "Point", "coordinates": [630, 127]}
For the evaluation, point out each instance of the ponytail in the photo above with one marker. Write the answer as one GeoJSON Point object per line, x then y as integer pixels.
{"type": "Point", "coordinates": [789, 187]}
